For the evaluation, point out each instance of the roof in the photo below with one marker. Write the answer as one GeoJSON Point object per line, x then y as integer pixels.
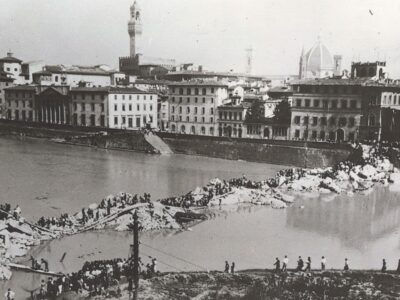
{"type": "Point", "coordinates": [10, 59]}
{"type": "Point", "coordinates": [21, 88]}
{"type": "Point", "coordinates": [211, 74]}
{"type": "Point", "coordinates": [110, 89]}
{"type": "Point", "coordinates": [86, 70]}
{"type": "Point", "coordinates": [198, 83]}
{"type": "Point", "coordinates": [332, 81]}
{"type": "Point", "coordinates": [280, 89]}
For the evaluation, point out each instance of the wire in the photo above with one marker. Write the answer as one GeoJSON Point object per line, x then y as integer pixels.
{"type": "Point", "coordinates": [178, 258]}
{"type": "Point", "coordinates": [164, 263]}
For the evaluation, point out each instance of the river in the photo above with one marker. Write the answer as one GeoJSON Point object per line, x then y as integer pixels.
{"type": "Point", "coordinates": [47, 179]}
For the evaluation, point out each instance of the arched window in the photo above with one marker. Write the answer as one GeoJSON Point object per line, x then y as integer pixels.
{"type": "Point", "coordinates": [211, 130]}
{"type": "Point", "coordinates": [371, 121]}
{"type": "Point", "coordinates": [173, 127]}
{"type": "Point", "coordinates": [193, 130]}
{"type": "Point", "coordinates": [203, 130]}
{"type": "Point", "coordinates": [183, 129]}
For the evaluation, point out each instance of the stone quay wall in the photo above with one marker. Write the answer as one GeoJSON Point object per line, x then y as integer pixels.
{"type": "Point", "coordinates": [290, 153]}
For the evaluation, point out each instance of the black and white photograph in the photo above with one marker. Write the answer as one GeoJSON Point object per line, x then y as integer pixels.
{"type": "Point", "coordinates": [199, 149]}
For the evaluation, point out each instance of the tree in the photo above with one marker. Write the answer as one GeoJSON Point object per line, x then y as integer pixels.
{"type": "Point", "coordinates": [282, 113]}
{"type": "Point", "coordinates": [256, 112]}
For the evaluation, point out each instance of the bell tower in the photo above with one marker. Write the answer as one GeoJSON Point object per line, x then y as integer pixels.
{"type": "Point", "coordinates": [134, 28]}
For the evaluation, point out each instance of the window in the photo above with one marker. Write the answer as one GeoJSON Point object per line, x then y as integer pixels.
{"type": "Point", "coordinates": [306, 120]}
{"type": "Point", "coordinates": [344, 104]}
{"type": "Point", "coordinates": [188, 110]}
{"type": "Point", "coordinates": [123, 120]}
{"type": "Point", "coordinates": [115, 97]}
{"type": "Point", "coordinates": [144, 97]}
{"type": "Point", "coordinates": [334, 104]}
{"type": "Point", "coordinates": [352, 122]}
{"type": "Point", "coordinates": [203, 110]}
{"type": "Point", "coordinates": [196, 91]}
{"type": "Point", "coordinates": [93, 96]}
{"type": "Point", "coordinates": [188, 91]}
{"type": "Point", "coordinates": [315, 121]}
{"type": "Point", "coordinates": [188, 100]}
{"type": "Point", "coordinates": [220, 115]}
{"type": "Point", "coordinates": [322, 135]}
{"type": "Point", "coordinates": [305, 136]}
{"type": "Point", "coordinates": [316, 103]}
{"type": "Point", "coordinates": [203, 119]}
{"type": "Point", "coordinates": [314, 135]}
{"type": "Point", "coordinates": [82, 106]}
{"type": "Point", "coordinates": [235, 116]}
{"type": "Point", "coordinates": [325, 104]}
{"type": "Point", "coordinates": [115, 107]}
{"type": "Point", "coordinates": [212, 90]}
{"type": "Point", "coordinates": [138, 107]}
{"type": "Point", "coordinates": [123, 97]}
{"type": "Point", "coordinates": [371, 120]}
{"type": "Point", "coordinates": [92, 106]}
{"type": "Point", "coordinates": [323, 121]}
{"type": "Point", "coordinates": [151, 107]}
{"type": "Point", "coordinates": [123, 107]}
{"type": "Point", "coordinates": [173, 109]}
{"type": "Point", "coordinates": [181, 91]}
{"type": "Point", "coordinates": [195, 100]}
{"type": "Point", "coordinates": [297, 133]}
{"type": "Point", "coordinates": [116, 120]}
{"type": "Point", "coordinates": [92, 120]}
{"type": "Point", "coordinates": [212, 100]}
{"type": "Point", "coordinates": [307, 102]}
{"type": "Point", "coordinates": [297, 120]}
{"type": "Point", "coordinates": [204, 91]}
{"type": "Point", "coordinates": [195, 110]}
{"type": "Point", "coordinates": [187, 119]}
{"type": "Point", "coordinates": [333, 121]}
{"type": "Point", "coordinates": [353, 104]}
{"type": "Point", "coordinates": [298, 102]}
{"type": "Point", "coordinates": [204, 100]}
{"type": "Point", "coordinates": [180, 109]}
{"type": "Point", "coordinates": [130, 97]}
{"type": "Point", "coordinates": [173, 99]}
{"type": "Point", "coordinates": [195, 119]}
{"type": "Point", "coordinates": [180, 99]}
{"type": "Point", "coordinates": [102, 107]}
{"type": "Point", "coordinates": [351, 136]}
{"type": "Point", "coordinates": [342, 121]}
{"type": "Point", "coordinates": [130, 107]}
{"type": "Point", "coordinates": [211, 120]}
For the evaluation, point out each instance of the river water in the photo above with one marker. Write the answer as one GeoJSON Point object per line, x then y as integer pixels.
{"type": "Point", "coordinates": [48, 179]}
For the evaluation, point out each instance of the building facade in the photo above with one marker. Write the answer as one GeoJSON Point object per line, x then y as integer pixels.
{"type": "Point", "coordinates": [19, 102]}
{"type": "Point", "coordinates": [193, 106]}
{"type": "Point", "coordinates": [326, 109]}
{"type": "Point", "coordinates": [131, 108]}
{"type": "Point", "coordinates": [89, 106]}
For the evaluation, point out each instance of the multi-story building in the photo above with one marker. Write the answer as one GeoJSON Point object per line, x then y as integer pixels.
{"type": "Point", "coordinates": [91, 76]}
{"type": "Point", "coordinates": [163, 113]}
{"type": "Point", "coordinates": [5, 81]}
{"type": "Point", "coordinates": [19, 102]}
{"type": "Point", "coordinates": [131, 108]}
{"type": "Point", "coordinates": [327, 109]}
{"type": "Point", "coordinates": [89, 106]}
{"type": "Point", "coordinates": [193, 106]}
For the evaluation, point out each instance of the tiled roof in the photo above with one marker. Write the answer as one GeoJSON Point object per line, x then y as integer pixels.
{"type": "Point", "coordinates": [21, 88]}
{"type": "Point", "coordinates": [198, 83]}
{"type": "Point", "coordinates": [86, 70]}
{"type": "Point", "coordinates": [110, 89]}
{"type": "Point", "coordinates": [333, 81]}
{"type": "Point", "coordinates": [10, 59]}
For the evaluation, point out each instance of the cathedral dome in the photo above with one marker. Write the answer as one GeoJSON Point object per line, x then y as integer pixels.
{"type": "Point", "coordinates": [318, 59]}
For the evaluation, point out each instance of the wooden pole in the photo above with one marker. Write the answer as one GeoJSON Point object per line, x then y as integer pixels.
{"type": "Point", "coordinates": [136, 254]}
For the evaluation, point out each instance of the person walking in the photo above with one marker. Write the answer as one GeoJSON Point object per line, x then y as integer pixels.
{"type": "Point", "coordinates": [285, 263]}
{"type": "Point", "coordinates": [226, 267]}
{"type": "Point", "coordinates": [233, 268]}
{"type": "Point", "coordinates": [323, 263]}
{"type": "Point", "coordinates": [346, 265]}
{"type": "Point", "coordinates": [9, 295]}
{"type": "Point", "coordinates": [277, 265]}
{"type": "Point", "coordinates": [308, 265]}
{"type": "Point", "coordinates": [383, 265]}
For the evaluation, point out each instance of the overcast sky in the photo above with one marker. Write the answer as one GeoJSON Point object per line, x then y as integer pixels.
{"type": "Point", "coordinates": [214, 33]}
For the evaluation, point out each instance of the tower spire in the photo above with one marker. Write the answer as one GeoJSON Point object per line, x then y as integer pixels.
{"type": "Point", "coordinates": [134, 27]}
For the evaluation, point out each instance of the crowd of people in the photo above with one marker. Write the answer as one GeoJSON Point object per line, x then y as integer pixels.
{"type": "Point", "coordinates": [202, 197]}
{"type": "Point", "coordinates": [6, 211]}
{"type": "Point", "coordinates": [96, 278]}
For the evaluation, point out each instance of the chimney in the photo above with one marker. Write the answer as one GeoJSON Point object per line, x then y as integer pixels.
{"type": "Point", "coordinates": [9, 54]}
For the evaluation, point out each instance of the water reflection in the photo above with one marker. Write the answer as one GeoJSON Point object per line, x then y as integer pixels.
{"type": "Point", "coordinates": [356, 221]}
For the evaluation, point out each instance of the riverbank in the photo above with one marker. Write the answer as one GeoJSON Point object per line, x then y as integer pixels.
{"type": "Point", "coordinates": [283, 152]}
{"type": "Point", "coordinates": [265, 284]}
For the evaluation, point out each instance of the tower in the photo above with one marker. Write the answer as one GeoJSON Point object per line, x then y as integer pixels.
{"type": "Point", "coordinates": [338, 65]}
{"type": "Point", "coordinates": [249, 60]}
{"type": "Point", "coordinates": [134, 28]}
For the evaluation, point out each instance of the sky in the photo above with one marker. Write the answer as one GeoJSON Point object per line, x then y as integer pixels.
{"type": "Point", "coordinates": [212, 33]}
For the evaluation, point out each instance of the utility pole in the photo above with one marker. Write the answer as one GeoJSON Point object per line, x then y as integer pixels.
{"type": "Point", "coordinates": [135, 255]}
